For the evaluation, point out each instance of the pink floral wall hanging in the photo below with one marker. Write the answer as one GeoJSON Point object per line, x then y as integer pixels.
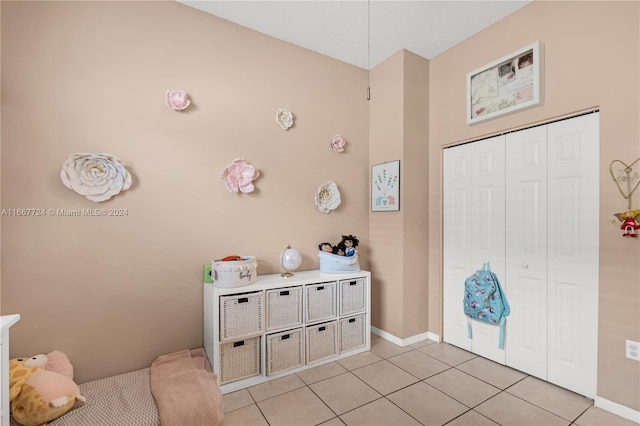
{"type": "Point", "coordinates": [239, 176]}
{"type": "Point", "coordinates": [177, 100]}
{"type": "Point", "coordinates": [338, 143]}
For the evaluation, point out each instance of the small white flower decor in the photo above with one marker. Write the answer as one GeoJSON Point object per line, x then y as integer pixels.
{"type": "Point", "coordinates": [284, 118]}
{"type": "Point", "coordinates": [97, 177]}
{"type": "Point", "coordinates": [338, 143]}
{"type": "Point", "coordinates": [328, 197]}
{"type": "Point", "coordinates": [177, 100]}
{"type": "Point", "coordinates": [239, 176]}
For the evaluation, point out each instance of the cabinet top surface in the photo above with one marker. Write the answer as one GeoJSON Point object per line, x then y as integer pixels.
{"type": "Point", "coordinates": [299, 278]}
{"type": "Point", "coordinates": [7, 321]}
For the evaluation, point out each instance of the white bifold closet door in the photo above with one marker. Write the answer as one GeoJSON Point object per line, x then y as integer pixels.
{"type": "Point", "coordinates": [526, 225]}
{"type": "Point", "coordinates": [474, 212]}
{"type": "Point", "coordinates": [547, 223]}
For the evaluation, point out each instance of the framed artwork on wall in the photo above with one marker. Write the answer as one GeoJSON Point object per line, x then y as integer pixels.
{"type": "Point", "coordinates": [385, 187]}
{"type": "Point", "coordinates": [506, 85]}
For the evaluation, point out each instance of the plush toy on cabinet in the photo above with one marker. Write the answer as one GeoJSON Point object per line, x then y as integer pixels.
{"type": "Point", "coordinates": [325, 247]}
{"type": "Point", "coordinates": [349, 244]}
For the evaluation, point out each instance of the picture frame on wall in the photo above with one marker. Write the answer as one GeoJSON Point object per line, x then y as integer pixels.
{"type": "Point", "coordinates": [509, 84]}
{"type": "Point", "coordinates": [385, 187]}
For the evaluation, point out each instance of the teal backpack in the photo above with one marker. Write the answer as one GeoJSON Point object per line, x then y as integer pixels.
{"type": "Point", "coordinates": [485, 301]}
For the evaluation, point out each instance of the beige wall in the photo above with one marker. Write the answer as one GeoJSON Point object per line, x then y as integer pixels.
{"type": "Point", "coordinates": [592, 61]}
{"type": "Point", "coordinates": [398, 130]}
{"type": "Point", "coordinates": [386, 143]}
{"type": "Point", "coordinates": [115, 292]}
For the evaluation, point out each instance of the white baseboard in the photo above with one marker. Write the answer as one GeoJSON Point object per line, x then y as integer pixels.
{"type": "Point", "coordinates": [617, 409]}
{"type": "Point", "coordinates": [405, 342]}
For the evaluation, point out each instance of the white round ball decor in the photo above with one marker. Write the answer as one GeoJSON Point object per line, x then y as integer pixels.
{"type": "Point", "coordinates": [290, 260]}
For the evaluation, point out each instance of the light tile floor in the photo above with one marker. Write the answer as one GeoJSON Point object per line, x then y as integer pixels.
{"type": "Point", "coordinates": [427, 383]}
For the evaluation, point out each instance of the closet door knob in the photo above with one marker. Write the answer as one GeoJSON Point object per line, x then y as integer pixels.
{"type": "Point", "coordinates": [524, 266]}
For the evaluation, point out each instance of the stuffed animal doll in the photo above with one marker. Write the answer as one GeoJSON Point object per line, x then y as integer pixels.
{"type": "Point", "coordinates": [348, 244]}
{"type": "Point", "coordinates": [59, 362]}
{"type": "Point", "coordinates": [629, 226]}
{"type": "Point", "coordinates": [38, 395]}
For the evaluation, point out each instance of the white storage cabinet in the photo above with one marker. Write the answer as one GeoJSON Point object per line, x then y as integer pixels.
{"type": "Point", "coordinates": [279, 326]}
{"type": "Point", "coordinates": [6, 321]}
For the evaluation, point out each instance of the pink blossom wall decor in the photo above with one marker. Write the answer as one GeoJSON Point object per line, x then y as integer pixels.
{"type": "Point", "coordinates": [338, 143]}
{"type": "Point", "coordinates": [177, 100]}
{"type": "Point", "coordinates": [239, 176]}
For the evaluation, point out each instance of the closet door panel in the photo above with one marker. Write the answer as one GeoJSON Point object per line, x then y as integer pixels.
{"type": "Point", "coordinates": [573, 252]}
{"type": "Point", "coordinates": [526, 224]}
{"type": "Point", "coordinates": [488, 230]}
{"type": "Point", "coordinates": [457, 241]}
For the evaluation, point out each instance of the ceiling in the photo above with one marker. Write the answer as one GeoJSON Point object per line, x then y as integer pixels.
{"type": "Point", "coordinates": [365, 33]}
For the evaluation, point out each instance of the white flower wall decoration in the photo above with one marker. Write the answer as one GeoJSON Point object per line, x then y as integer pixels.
{"type": "Point", "coordinates": [97, 177]}
{"type": "Point", "coordinates": [328, 197]}
{"type": "Point", "coordinates": [284, 118]}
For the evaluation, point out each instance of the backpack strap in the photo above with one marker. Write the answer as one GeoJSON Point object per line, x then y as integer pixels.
{"type": "Point", "coordinates": [469, 327]}
{"type": "Point", "coordinates": [505, 312]}
{"type": "Point", "coordinates": [507, 309]}
{"type": "Point", "coordinates": [501, 338]}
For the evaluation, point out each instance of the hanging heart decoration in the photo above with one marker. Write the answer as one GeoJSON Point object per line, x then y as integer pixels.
{"type": "Point", "coordinates": [624, 175]}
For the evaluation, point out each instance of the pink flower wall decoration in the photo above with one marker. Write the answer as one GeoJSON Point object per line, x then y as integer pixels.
{"type": "Point", "coordinates": [338, 143]}
{"type": "Point", "coordinates": [239, 176]}
{"type": "Point", "coordinates": [177, 100]}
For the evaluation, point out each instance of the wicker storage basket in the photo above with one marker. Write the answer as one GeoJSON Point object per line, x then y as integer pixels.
{"type": "Point", "coordinates": [353, 296]}
{"type": "Point", "coordinates": [333, 264]}
{"type": "Point", "coordinates": [234, 273]}
{"type": "Point", "coordinates": [321, 302]}
{"type": "Point", "coordinates": [285, 350]}
{"type": "Point", "coordinates": [284, 307]}
{"type": "Point", "coordinates": [239, 360]}
{"type": "Point", "coordinates": [352, 333]}
{"type": "Point", "coordinates": [321, 341]}
{"type": "Point", "coordinates": [241, 315]}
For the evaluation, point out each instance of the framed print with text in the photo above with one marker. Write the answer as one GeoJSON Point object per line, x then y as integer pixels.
{"type": "Point", "coordinates": [385, 187]}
